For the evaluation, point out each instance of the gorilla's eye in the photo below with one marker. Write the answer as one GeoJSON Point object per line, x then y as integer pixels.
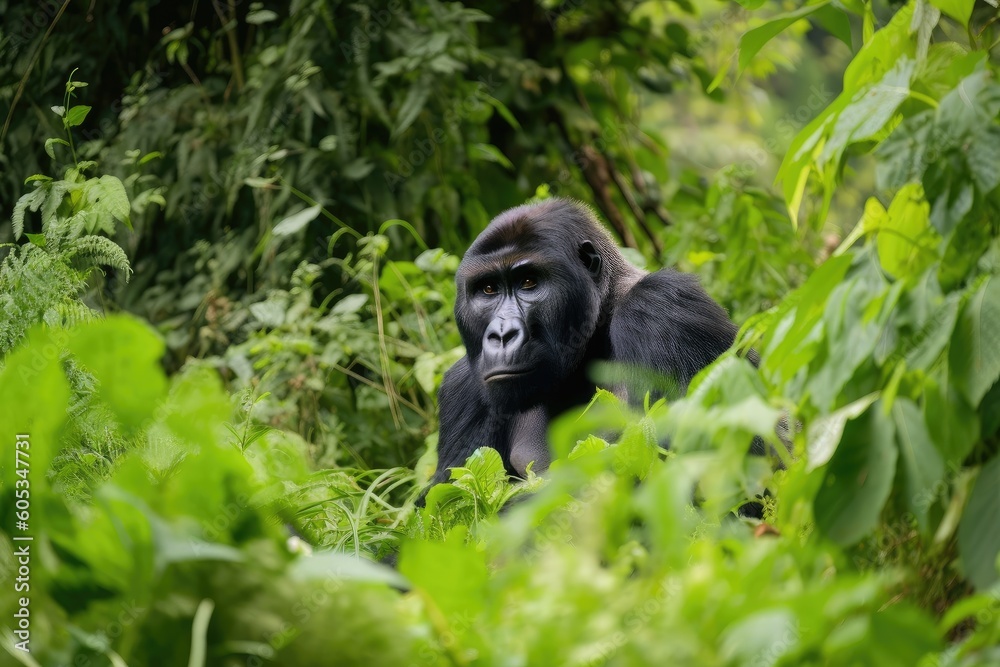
{"type": "Point", "coordinates": [489, 288]}
{"type": "Point", "coordinates": [529, 283]}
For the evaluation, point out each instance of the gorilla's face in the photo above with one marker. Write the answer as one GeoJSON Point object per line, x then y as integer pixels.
{"type": "Point", "coordinates": [526, 313]}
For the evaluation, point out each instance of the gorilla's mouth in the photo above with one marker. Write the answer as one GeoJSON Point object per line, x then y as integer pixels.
{"type": "Point", "coordinates": [505, 374]}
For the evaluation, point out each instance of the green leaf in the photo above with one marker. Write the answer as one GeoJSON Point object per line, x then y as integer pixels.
{"type": "Point", "coordinates": [870, 110]}
{"type": "Point", "coordinates": [875, 58]}
{"type": "Point", "coordinates": [951, 421]}
{"type": "Point", "coordinates": [297, 221]}
{"type": "Point", "coordinates": [344, 567]}
{"type": "Point", "coordinates": [106, 198]}
{"type": "Point", "coordinates": [907, 244]}
{"type": "Point", "coordinates": [76, 115]}
{"type": "Point", "coordinates": [754, 40]}
{"type": "Point", "coordinates": [900, 156]}
{"type": "Point", "coordinates": [960, 10]}
{"type": "Point", "coordinates": [979, 530]}
{"type": "Point", "coordinates": [490, 153]}
{"type": "Point", "coordinates": [149, 157]}
{"type": "Point", "coordinates": [124, 355]}
{"type": "Point", "coordinates": [504, 112]}
{"type": "Point", "coordinates": [35, 396]}
{"type": "Point", "coordinates": [357, 169]}
{"type": "Point", "coordinates": [825, 433]}
{"type": "Point", "coordinates": [975, 348]}
{"type": "Point", "coordinates": [791, 343]}
{"type": "Point", "coordinates": [352, 303]}
{"type": "Point", "coordinates": [858, 478]}
{"type": "Point", "coordinates": [413, 104]}
{"type": "Point", "coordinates": [451, 574]}
{"type": "Point", "coordinates": [934, 336]}
{"type": "Point", "coordinates": [261, 16]}
{"type": "Point", "coordinates": [37, 239]}
{"type": "Point", "coordinates": [851, 335]}
{"type": "Point", "coordinates": [836, 22]}
{"type": "Point", "coordinates": [258, 182]}
{"type": "Point", "coordinates": [921, 465]}
{"type": "Point", "coordinates": [50, 142]}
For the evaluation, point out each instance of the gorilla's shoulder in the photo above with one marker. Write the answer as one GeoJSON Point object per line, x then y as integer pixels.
{"type": "Point", "coordinates": [669, 323]}
{"type": "Point", "coordinates": [457, 376]}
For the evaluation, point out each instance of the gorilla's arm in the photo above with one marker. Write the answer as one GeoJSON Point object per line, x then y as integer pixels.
{"type": "Point", "coordinates": [668, 323]}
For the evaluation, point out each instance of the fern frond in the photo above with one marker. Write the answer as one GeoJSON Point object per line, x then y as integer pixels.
{"type": "Point", "coordinates": [101, 250]}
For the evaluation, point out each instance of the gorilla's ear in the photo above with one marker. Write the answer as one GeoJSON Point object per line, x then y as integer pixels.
{"type": "Point", "coordinates": [591, 259]}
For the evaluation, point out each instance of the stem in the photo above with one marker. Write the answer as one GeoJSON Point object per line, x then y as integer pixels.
{"type": "Point", "coordinates": [930, 101]}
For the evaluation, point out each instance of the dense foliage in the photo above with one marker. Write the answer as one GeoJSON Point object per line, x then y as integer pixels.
{"type": "Point", "coordinates": [227, 309]}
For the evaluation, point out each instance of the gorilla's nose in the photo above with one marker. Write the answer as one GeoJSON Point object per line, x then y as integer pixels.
{"type": "Point", "coordinates": [504, 335]}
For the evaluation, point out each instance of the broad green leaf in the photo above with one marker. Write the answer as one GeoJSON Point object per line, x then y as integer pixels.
{"type": "Point", "coordinates": [296, 221]}
{"type": "Point", "coordinates": [900, 634]}
{"type": "Point", "coordinates": [870, 110]}
{"type": "Point", "coordinates": [960, 10]}
{"type": "Point", "coordinates": [825, 433]}
{"type": "Point", "coordinates": [858, 478]}
{"type": "Point", "coordinates": [196, 406]}
{"type": "Point", "coordinates": [791, 344]}
{"type": "Point", "coordinates": [906, 242]}
{"type": "Point", "coordinates": [979, 531]}
{"type": "Point", "coordinates": [36, 239]}
{"type": "Point", "coordinates": [901, 155]}
{"type": "Point", "coordinates": [983, 157]}
{"type": "Point", "coordinates": [851, 335]}
{"type": "Point", "coordinates": [34, 394]}
{"type": "Point", "coordinates": [76, 115]}
{"type": "Point", "coordinates": [921, 466]}
{"type": "Point", "coordinates": [934, 336]}
{"type": "Point", "coordinates": [765, 632]}
{"type": "Point", "coordinates": [975, 347]}
{"type": "Point", "coordinates": [835, 21]}
{"type": "Point", "coordinates": [637, 449]}
{"type": "Point", "coordinates": [951, 421]}
{"type": "Point", "coordinates": [754, 40]}
{"type": "Point", "coordinates": [451, 574]}
{"type": "Point", "coordinates": [124, 355]}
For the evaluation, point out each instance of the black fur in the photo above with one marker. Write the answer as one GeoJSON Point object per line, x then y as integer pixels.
{"type": "Point", "coordinates": [528, 347]}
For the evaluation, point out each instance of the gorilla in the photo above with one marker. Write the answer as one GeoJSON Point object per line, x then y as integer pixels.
{"type": "Point", "coordinates": [543, 292]}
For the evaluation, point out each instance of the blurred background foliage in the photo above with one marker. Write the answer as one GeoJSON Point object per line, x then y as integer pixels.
{"type": "Point", "coordinates": [239, 232]}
